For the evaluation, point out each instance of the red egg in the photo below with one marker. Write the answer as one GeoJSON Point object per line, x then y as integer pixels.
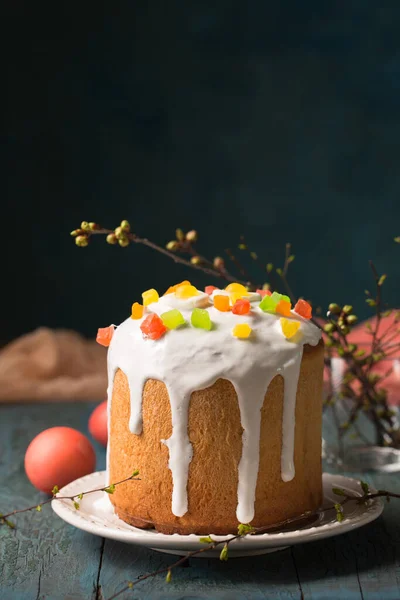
{"type": "Point", "coordinates": [98, 423]}
{"type": "Point", "coordinates": [58, 456]}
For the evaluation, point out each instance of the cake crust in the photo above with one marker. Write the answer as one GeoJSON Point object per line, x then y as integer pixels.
{"type": "Point", "coordinates": [215, 433]}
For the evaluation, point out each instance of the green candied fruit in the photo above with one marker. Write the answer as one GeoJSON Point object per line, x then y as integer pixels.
{"type": "Point", "coordinates": [278, 297]}
{"type": "Point", "coordinates": [201, 319]}
{"type": "Point", "coordinates": [267, 304]}
{"type": "Point", "coordinates": [173, 319]}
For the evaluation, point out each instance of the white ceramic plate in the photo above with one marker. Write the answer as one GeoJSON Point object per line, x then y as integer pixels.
{"type": "Point", "coordinates": [96, 516]}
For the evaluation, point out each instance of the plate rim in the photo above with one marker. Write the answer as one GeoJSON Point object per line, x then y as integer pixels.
{"type": "Point", "coordinates": [152, 539]}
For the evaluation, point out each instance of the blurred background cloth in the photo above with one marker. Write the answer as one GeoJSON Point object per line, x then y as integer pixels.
{"type": "Point", "coordinates": [47, 365]}
{"type": "Point", "coordinates": [280, 121]}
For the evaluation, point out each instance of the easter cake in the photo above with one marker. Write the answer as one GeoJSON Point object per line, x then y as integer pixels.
{"type": "Point", "coordinates": [215, 397]}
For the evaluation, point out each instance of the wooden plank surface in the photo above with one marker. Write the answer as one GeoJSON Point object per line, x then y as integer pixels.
{"type": "Point", "coordinates": [46, 558]}
{"type": "Point", "coordinates": [43, 557]}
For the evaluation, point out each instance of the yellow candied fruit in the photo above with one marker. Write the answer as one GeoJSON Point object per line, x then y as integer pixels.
{"type": "Point", "coordinates": [234, 296]}
{"type": "Point", "coordinates": [150, 296]}
{"type": "Point", "coordinates": [137, 311]}
{"type": "Point", "coordinates": [173, 288]}
{"type": "Point", "coordinates": [186, 291]}
{"type": "Point", "coordinates": [236, 288]}
{"type": "Point", "coordinates": [289, 328]}
{"type": "Point", "coordinates": [242, 331]}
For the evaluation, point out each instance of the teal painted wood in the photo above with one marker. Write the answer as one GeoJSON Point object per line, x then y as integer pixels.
{"type": "Point", "coordinates": [377, 547]}
{"type": "Point", "coordinates": [43, 558]}
{"type": "Point", "coordinates": [327, 570]}
{"type": "Point", "coordinates": [47, 559]}
{"type": "Point", "coordinates": [258, 577]}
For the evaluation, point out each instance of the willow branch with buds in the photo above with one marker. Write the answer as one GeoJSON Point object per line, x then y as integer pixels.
{"type": "Point", "coordinates": [361, 384]}
{"type": "Point", "coordinates": [76, 499]}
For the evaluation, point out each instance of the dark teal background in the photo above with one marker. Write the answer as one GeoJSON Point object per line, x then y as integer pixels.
{"type": "Point", "coordinates": [277, 120]}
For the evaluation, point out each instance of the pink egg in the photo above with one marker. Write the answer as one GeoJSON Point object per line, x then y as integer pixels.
{"type": "Point", "coordinates": [98, 423]}
{"type": "Point", "coordinates": [58, 456]}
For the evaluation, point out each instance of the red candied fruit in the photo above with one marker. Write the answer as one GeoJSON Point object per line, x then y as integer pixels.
{"type": "Point", "coordinates": [241, 307]}
{"type": "Point", "coordinates": [303, 309]}
{"type": "Point", "coordinates": [209, 289]}
{"type": "Point", "coordinates": [104, 335]}
{"type": "Point", "coordinates": [264, 293]}
{"type": "Point", "coordinates": [153, 327]}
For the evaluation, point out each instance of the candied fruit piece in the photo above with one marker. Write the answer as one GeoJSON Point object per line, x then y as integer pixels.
{"type": "Point", "coordinates": [137, 311]}
{"type": "Point", "coordinates": [267, 304]}
{"type": "Point", "coordinates": [173, 318]}
{"type": "Point", "coordinates": [235, 296]}
{"type": "Point", "coordinates": [241, 307]}
{"type": "Point", "coordinates": [278, 297]}
{"type": "Point", "coordinates": [170, 290]}
{"type": "Point", "coordinates": [153, 327]}
{"type": "Point", "coordinates": [264, 293]}
{"type": "Point", "coordinates": [303, 309]}
{"type": "Point", "coordinates": [236, 288]}
{"type": "Point", "coordinates": [173, 288]}
{"type": "Point", "coordinates": [283, 308]}
{"type": "Point", "coordinates": [242, 331]}
{"type": "Point", "coordinates": [104, 335]}
{"type": "Point", "coordinates": [201, 319]}
{"type": "Point", "coordinates": [209, 289]}
{"type": "Point", "coordinates": [150, 296]}
{"type": "Point", "coordinates": [221, 303]}
{"type": "Point", "coordinates": [186, 291]}
{"type": "Point", "coordinates": [289, 328]}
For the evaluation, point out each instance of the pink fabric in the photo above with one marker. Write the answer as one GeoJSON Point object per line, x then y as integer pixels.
{"type": "Point", "coordinates": [47, 365]}
{"type": "Point", "coordinates": [361, 336]}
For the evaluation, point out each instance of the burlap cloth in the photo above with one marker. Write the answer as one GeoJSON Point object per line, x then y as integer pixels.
{"type": "Point", "coordinates": [52, 365]}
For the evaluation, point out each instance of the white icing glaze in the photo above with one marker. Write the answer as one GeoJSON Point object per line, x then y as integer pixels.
{"type": "Point", "coordinates": [189, 359]}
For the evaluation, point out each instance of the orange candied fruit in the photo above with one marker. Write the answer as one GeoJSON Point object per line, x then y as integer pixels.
{"type": "Point", "coordinates": [264, 293]}
{"type": "Point", "coordinates": [303, 309]}
{"type": "Point", "coordinates": [104, 335]}
{"type": "Point", "coordinates": [153, 327]}
{"type": "Point", "coordinates": [173, 288]}
{"type": "Point", "coordinates": [283, 308]}
{"type": "Point", "coordinates": [221, 303]}
{"type": "Point", "coordinates": [137, 311]}
{"type": "Point", "coordinates": [241, 307]}
{"type": "Point", "coordinates": [209, 289]}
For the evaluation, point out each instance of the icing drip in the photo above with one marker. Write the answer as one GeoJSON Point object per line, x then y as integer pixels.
{"type": "Point", "coordinates": [180, 451]}
{"type": "Point", "coordinates": [250, 414]}
{"type": "Point", "coordinates": [189, 359]}
{"type": "Point", "coordinates": [291, 376]}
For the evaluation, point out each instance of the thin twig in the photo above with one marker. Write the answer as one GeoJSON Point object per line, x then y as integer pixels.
{"type": "Point", "coordinates": [378, 304]}
{"type": "Point", "coordinates": [237, 264]}
{"type": "Point", "coordinates": [56, 497]}
{"type": "Point", "coordinates": [222, 274]}
{"type": "Point", "coordinates": [283, 273]}
{"type": "Point", "coordinates": [258, 530]}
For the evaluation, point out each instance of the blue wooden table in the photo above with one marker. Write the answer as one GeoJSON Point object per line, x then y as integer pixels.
{"type": "Point", "coordinates": [44, 558]}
